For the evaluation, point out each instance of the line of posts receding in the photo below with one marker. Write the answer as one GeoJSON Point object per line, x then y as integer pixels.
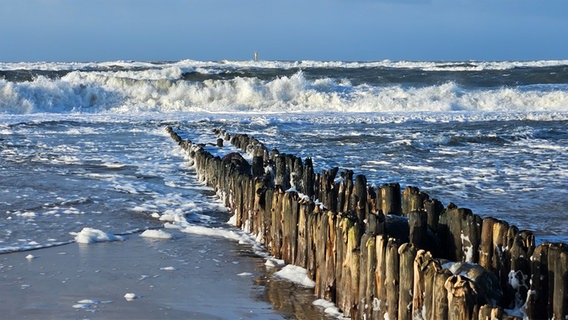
{"type": "Point", "coordinates": [382, 252]}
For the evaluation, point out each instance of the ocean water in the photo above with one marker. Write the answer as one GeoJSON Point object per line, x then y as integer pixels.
{"type": "Point", "coordinates": [82, 145]}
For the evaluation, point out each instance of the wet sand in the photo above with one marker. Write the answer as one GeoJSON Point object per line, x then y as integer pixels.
{"type": "Point", "coordinates": [188, 277]}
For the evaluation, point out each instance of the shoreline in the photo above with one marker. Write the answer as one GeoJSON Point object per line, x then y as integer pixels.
{"type": "Point", "coordinates": [187, 277]}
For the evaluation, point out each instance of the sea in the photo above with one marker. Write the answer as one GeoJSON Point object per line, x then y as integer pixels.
{"type": "Point", "coordinates": [83, 145]}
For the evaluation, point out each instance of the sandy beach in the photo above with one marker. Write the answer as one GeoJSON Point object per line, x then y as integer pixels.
{"type": "Point", "coordinates": [196, 279]}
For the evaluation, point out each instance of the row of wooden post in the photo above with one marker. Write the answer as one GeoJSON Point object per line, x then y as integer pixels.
{"type": "Point", "coordinates": [384, 253]}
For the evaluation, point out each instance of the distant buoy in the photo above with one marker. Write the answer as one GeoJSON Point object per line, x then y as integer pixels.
{"type": "Point", "coordinates": [255, 56]}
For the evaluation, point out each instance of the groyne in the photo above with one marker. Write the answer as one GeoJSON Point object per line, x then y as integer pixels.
{"type": "Point", "coordinates": [382, 252]}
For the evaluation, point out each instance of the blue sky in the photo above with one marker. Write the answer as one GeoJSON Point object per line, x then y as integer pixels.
{"type": "Point", "coordinates": [100, 30]}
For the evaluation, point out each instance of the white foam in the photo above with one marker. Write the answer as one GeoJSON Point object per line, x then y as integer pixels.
{"type": "Point", "coordinates": [213, 67]}
{"type": "Point", "coordinates": [130, 296]}
{"type": "Point", "coordinates": [296, 274]}
{"type": "Point", "coordinates": [156, 234]}
{"type": "Point", "coordinates": [158, 91]}
{"type": "Point", "coordinates": [329, 308]}
{"type": "Point", "coordinates": [90, 235]}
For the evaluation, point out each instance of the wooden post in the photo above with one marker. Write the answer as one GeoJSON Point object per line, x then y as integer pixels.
{"type": "Point", "coordinates": [380, 277]}
{"type": "Point", "coordinates": [519, 275]}
{"type": "Point", "coordinates": [462, 298]}
{"type": "Point", "coordinates": [376, 224]}
{"type": "Point", "coordinates": [344, 191]}
{"type": "Point", "coordinates": [558, 265]}
{"type": "Point", "coordinates": [301, 259]}
{"type": "Point", "coordinates": [320, 255]}
{"type": "Point", "coordinates": [358, 202]}
{"type": "Point", "coordinates": [289, 220]}
{"type": "Point", "coordinates": [392, 278]}
{"type": "Point", "coordinates": [537, 301]}
{"type": "Point", "coordinates": [418, 224]}
{"type": "Point", "coordinates": [308, 178]}
{"type": "Point", "coordinates": [461, 230]}
{"type": "Point", "coordinates": [434, 209]}
{"type": "Point", "coordinates": [432, 268]}
{"type": "Point", "coordinates": [487, 312]}
{"type": "Point", "coordinates": [440, 300]}
{"type": "Point", "coordinates": [312, 215]}
{"type": "Point", "coordinates": [407, 253]}
{"type": "Point", "coordinates": [367, 285]}
{"type": "Point", "coordinates": [390, 199]}
{"type": "Point", "coordinates": [501, 261]}
{"type": "Point", "coordinates": [276, 222]}
{"type": "Point", "coordinates": [281, 176]}
{"type": "Point", "coordinates": [413, 200]}
{"type": "Point", "coordinates": [297, 173]}
{"type": "Point", "coordinates": [486, 247]}
{"type": "Point", "coordinates": [328, 191]}
{"type": "Point", "coordinates": [423, 284]}
{"type": "Point", "coordinates": [330, 280]}
{"type": "Point", "coordinates": [257, 166]}
{"type": "Point", "coordinates": [268, 202]}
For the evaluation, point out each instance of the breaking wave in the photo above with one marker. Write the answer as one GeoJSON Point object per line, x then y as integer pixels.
{"type": "Point", "coordinates": [236, 87]}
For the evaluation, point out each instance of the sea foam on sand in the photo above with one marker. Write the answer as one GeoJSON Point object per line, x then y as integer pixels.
{"type": "Point", "coordinates": [156, 234]}
{"type": "Point", "coordinates": [90, 235]}
{"type": "Point", "coordinates": [297, 275]}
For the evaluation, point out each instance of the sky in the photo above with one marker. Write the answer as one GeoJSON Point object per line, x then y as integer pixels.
{"type": "Point", "coordinates": [348, 30]}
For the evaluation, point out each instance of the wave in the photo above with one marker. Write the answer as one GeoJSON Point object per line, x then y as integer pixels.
{"type": "Point", "coordinates": [471, 65]}
{"type": "Point", "coordinates": [164, 90]}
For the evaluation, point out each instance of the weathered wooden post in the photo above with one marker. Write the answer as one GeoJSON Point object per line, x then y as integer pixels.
{"type": "Point", "coordinates": [344, 191]}
{"type": "Point", "coordinates": [558, 285]}
{"type": "Point", "coordinates": [418, 224]}
{"type": "Point", "coordinates": [390, 199]}
{"type": "Point", "coordinates": [380, 277]}
{"type": "Point", "coordinates": [434, 209]}
{"type": "Point", "coordinates": [537, 301]}
{"type": "Point", "coordinates": [328, 191]}
{"type": "Point", "coordinates": [320, 255]}
{"type": "Point", "coordinates": [376, 223]}
{"type": "Point", "coordinates": [486, 246]}
{"type": "Point", "coordinates": [392, 265]}
{"type": "Point", "coordinates": [407, 253]}
{"type": "Point", "coordinates": [352, 262]}
{"type": "Point", "coordinates": [289, 226]}
{"type": "Point", "coordinates": [281, 176]}
{"type": "Point", "coordinates": [308, 178]}
{"type": "Point", "coordinates": [297, 173]}
{"type": "Point", "coordinates": [257, 166]}
{"type": "Point", "coordinates": [358, 202]}
{"type": "Point", "coordinates": [520, 252]}
{"type": "Point", "coordinates": [461, 230]}
{"type": "Point", "coordinates": [462, 298]}
{"type": "Point", "coordinates": [440, 299]}
{"type": "Point", "coordinates": [276, 221]}
{"type": "Point", "coordinates": [367, 286]}
{"type": "Point", "coordinates": [305, 210]}
{"type": "Point", "coordinates": [487, 312]}
{"type": "Point", "coordinates": [424, 269]}
{"type": "Point", "coordinates": [413, 200]}
{"type": "Point", "coordinates": [330, 259]}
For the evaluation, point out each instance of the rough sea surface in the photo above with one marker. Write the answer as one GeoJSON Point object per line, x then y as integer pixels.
{"type": "Point", "coordinates": [83, 144]}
